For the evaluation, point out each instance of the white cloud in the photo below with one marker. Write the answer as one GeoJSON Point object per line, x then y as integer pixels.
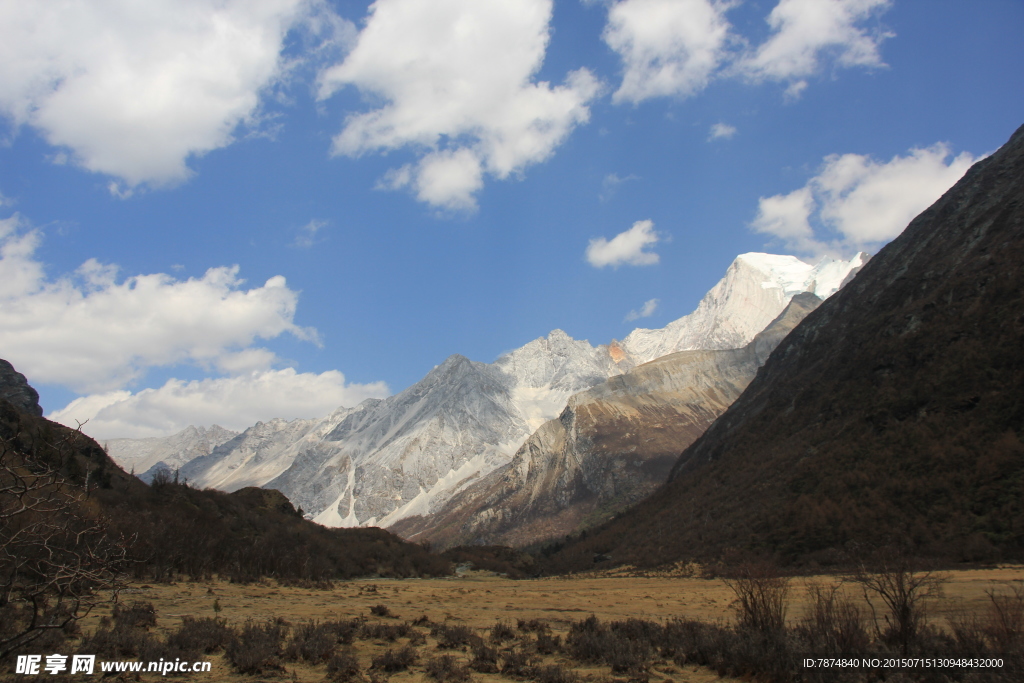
{"type": "Point", "coordinates": [646, 311]}
{"type": "Point", "coordinates": [455, 81]}
{"type": "Point", "coordinates": [677, 47]}
{"type": "Point", "coordinates": [93, 333]}
{"type": "Point", "coordinates": [668, 47]}
{"type": "Point", "coordinates": [856, 203]}
{"type": "Point", "coordinates": [232, 402]}
{"type": "Point", "coordinates": [721, 131]}
{"type": "Point", "coordinates": [806, 31]}
{"type": "Point", "coordinates": [625, 248]}
{"type": "Point", "coordinates": [306, 235]}
{"type": "Point", "coordinates": [134, 89]}
{"type": "Point", "coordinates": [610, 185]}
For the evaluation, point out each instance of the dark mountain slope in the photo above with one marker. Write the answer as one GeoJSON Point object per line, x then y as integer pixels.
{"type": "Point", "coordinates": [170, 528]}
{"type": "Point", "coordinates": [893, 413]}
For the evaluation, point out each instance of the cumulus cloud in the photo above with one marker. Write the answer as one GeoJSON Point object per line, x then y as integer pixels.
{"type": "Point", "coordinates": [668, 47]}
{"type": "Point", "coordinates": [625, 248]}
{"type": "Point", "coordinates": [233, 402]}
{"type": "Point", "coordinates": [677, 47]}
{"type": "Point", "coordinates": [134, 89]}
{"type": "Point", "coordinates": [721, 131]}
{"type": "Point", "coordinates": [455, 83]}
{"type": "Point", "coordinates": [856, 203]}
{"type": "Point", "coordinates": [646, 311]}
{"type": "Point", "coordinates": [93, 331]}
{"type": "Point", "coordinates": [806, 31]}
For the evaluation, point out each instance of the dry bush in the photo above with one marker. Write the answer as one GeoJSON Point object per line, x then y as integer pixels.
{"type": "Point", "coordinates": [625, 648]}
{"type": "Point", "coordinates": [532, 625]}
{"type": "Point", "coordinates": [547, 644]}
{"type": "Point", "coordinates": [832, 623]}
{"type": "Point", "coordinates": [761, 594]}
{"type": "Point", "coordinates": [257, 648]}
{"type": "Point", "coordinates": [446, 668]}
{"type": "Point", "coordinates": [139, 614]}
{"type": "Point", "coordinates": [381, 611]}
{"type": "Point", "coordinates": [312, 642]}
{"type": "Point", "coordinates": [388, 632]}
{"type": "Point", "coordinates": [452, 637]}
{"type": "Point", "coordinates": [485, 659]}
{"type": "Point", "coordinates": [395, 660]}
{"type": "Point", "coordinates": [517, 663]}
{"type": "Point", "coordinates": [555, 674]}
{"type": "Point", "coordinates": [343, 667]}
{"type": "Point", "coordinates": [502, 631]}
{"type": "Point", "coordinates": [904, 592]}
{"type": "Point", "coordinates": [205, 635]}
{"type": "Point", "coordinates": [1004, 620]}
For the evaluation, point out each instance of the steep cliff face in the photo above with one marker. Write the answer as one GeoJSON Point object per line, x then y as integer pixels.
{"type": "Point", "coordinates": [892, 414]}
{"type": "Point", "coordinates": [612, 445]}
{"type": "Point", "coordinates": [15, 389]}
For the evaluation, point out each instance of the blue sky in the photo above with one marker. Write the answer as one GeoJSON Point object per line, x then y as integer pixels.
{"type": "Point", "coordinates": [229, 211]}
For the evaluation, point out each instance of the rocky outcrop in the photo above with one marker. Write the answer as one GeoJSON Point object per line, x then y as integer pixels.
{"type": "Point", "coordinates": [611, 446]}
{"type": "Point", "coordinates": [15, 389]}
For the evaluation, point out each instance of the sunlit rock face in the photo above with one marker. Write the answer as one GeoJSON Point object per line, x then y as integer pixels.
{"type": "Point", "coordinates": [407, 455]}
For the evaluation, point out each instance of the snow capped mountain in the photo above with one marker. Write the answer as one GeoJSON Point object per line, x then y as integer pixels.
{"type": "Point", "coordinates": [755, 289]}
{"type": "Point", "coordinates": [407, 455]}
{"type": "Point", "coordinates": [146, 456]}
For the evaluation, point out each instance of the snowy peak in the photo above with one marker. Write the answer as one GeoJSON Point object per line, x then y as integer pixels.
{"type": "Point", "coordinates": [755, 289]}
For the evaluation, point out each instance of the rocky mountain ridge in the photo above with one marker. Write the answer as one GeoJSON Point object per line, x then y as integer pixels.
{"type": "Point", "coordinates": [408, 454]}
{"type": "Point", "coordinates": [612, 445]}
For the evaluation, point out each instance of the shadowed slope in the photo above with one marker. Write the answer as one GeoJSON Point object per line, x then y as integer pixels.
{"type": "Point", "coordinates": [893, 413]}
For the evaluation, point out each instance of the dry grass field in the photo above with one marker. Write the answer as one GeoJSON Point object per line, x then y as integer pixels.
{"type": "Point", "coordinates": [479, 601]}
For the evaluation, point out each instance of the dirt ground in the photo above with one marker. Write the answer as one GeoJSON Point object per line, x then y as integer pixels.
{"type": "Point", "coordinates": [479, 600]}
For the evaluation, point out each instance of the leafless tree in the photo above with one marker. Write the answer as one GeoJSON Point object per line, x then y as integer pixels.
{"type": "Point", "coordinates": [761, 593]}
{"type": "Point", "coordinates": [893, 578]}
{"type": "Point", "coordinates": [55, 553]}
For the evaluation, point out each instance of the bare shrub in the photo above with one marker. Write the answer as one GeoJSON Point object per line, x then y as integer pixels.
{"type": "Point", "coordinates": [205, 635]}
{"type": "Point", "coordinates": [344, 631]}
{"type": "Point", "coordinates": [139, 614]}
{"type": "Point", "coordinates": [312, 642]}
{"type": "Point", "coordinates": [381, 611]}
{"type": "Point", "coordinates": [343, 667]}
{"type": "Point", "coordinates": [1004, 620]}
{"type": "Point", "coordinates": [257, 648]}
{"type": "Point", "coordinates": [120, 642]}
{"type": "Point", "coordinates": [547, 644]}
{"type": "Point", "coordinates": [832, 622]}
{"type": "Point", "coordinates": [446, 668]}
{"type": "Point", "coordinates": [388, 632]}
{"type": "Point", "coordinates": [395, 660]}
{"type": "Point", "coordinates": [555, 674]}
{"type": "Point", "coordinates": [761, 594]}
{"type": "Point", "coordinates": [450, 637]}
{"type": "Point", "coordinates": [626, 647]}
{"type": "Point", "coordinates": [502, 631]}
{"type": "Point", "coordinates": [485, 659]}
{"type": "Point", "coordinates": [903, 591]}
{"type": "Point", "coordinates": [517, 663]}
{"type": "Point", "coordinates": [532, 625]}
{"type": "Point", "coordinates": [56, 553]}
